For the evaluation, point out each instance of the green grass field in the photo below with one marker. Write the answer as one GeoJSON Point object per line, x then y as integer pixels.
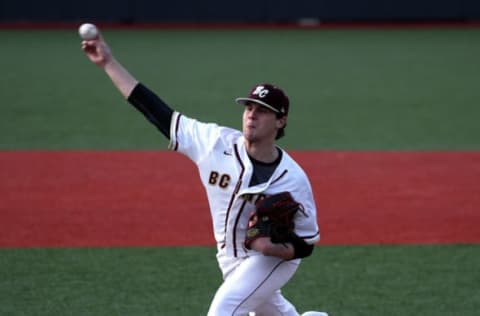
{"type": "Point", "coordinates": [349, 281]}
{"type": "Point", "coordinates": [349, 89]}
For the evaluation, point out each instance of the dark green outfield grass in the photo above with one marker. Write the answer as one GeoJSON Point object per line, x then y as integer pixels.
{"type": "Point", "coordinates": [349, 89]}
{"type": "Point", "coordinates": [344, 280]}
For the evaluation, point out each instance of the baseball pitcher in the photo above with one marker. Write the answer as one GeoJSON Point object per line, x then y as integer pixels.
{"type": "Point", "coordinates": [261, 202]}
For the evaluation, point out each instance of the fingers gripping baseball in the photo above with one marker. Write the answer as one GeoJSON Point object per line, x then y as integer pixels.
{"type": "Point", "coordinates": [97, 51]}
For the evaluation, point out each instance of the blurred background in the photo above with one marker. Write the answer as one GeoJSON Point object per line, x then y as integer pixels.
{"type": "Point", "coordinates": [251, 11]}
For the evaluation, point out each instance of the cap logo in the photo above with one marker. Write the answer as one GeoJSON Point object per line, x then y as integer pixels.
{"type": "Point", "coordinates": [260, 91]}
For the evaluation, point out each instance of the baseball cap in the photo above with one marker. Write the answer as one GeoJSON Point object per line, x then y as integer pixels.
{"type": "Point", "coordinates": [269, 96]}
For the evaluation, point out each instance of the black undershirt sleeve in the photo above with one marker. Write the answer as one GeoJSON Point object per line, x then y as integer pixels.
{"type": "Point", "coordinates": [154, 109]}
{"type": "Point", "coordinates": [301, 248]}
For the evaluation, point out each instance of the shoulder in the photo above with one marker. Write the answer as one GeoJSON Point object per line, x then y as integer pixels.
{"type": "Point", "coordinates": [186, 128]}
{"type": "Point", "coordinates": [294, 178]}
{"type": "Point", "coordinates": [181, 121]}
{"type": "Point", "coordinates": [289, 163]}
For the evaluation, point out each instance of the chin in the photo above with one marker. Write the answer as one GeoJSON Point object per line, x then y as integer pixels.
{"type": "Point", "coordinates": [249, 136]}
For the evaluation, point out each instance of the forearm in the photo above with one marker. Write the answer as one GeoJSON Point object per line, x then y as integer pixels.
{"type": "Point", "coordinates": [284, 251]}
{"type": "Point", "coordinates": [146, 101]}
{"type": "Point", "coordinates": [297, 248]}
{"type": "Point", "coordinates": [267, 248]}
{"type": "Point", "coordinates": [100, 54]}
{"type": "Point", "coordinates": [120, 77]}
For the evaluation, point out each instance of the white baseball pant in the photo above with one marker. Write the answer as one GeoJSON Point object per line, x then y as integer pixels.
{"type": "Point", "coordinates": [253, 284]}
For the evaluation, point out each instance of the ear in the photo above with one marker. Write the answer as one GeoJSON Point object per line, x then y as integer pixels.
{"type": "Point", "coordinates": [282, 122]}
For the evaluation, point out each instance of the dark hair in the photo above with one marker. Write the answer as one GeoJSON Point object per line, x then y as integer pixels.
{"type": "Point", "coordinates": [281, 132]}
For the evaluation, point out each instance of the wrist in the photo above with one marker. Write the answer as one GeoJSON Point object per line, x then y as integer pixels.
{"type": "Point", "coordinates": [108, 63]}
{"type": "Point", "coordinates": [281, 250]}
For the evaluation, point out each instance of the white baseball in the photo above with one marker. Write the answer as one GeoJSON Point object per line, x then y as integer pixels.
{"type": "Point", "coordinates": [88, 31]}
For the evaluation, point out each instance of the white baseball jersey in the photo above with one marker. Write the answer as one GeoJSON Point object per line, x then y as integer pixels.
{"type": "Point", "coordinates": [225, 171]}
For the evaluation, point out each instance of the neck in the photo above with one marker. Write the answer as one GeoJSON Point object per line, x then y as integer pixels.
{"type": "Point", "coordinates": [262, 152]}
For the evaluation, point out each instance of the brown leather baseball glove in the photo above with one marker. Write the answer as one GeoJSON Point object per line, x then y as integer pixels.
{"type": "Point", "coordinates": [273, 217]}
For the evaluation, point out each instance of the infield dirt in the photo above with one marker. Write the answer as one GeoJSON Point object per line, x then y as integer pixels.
{"type": "Point", "coordinates": [141, 198]}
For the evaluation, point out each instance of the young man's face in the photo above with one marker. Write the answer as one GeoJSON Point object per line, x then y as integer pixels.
{"type": "Point", "coordinates": [260, 123]}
